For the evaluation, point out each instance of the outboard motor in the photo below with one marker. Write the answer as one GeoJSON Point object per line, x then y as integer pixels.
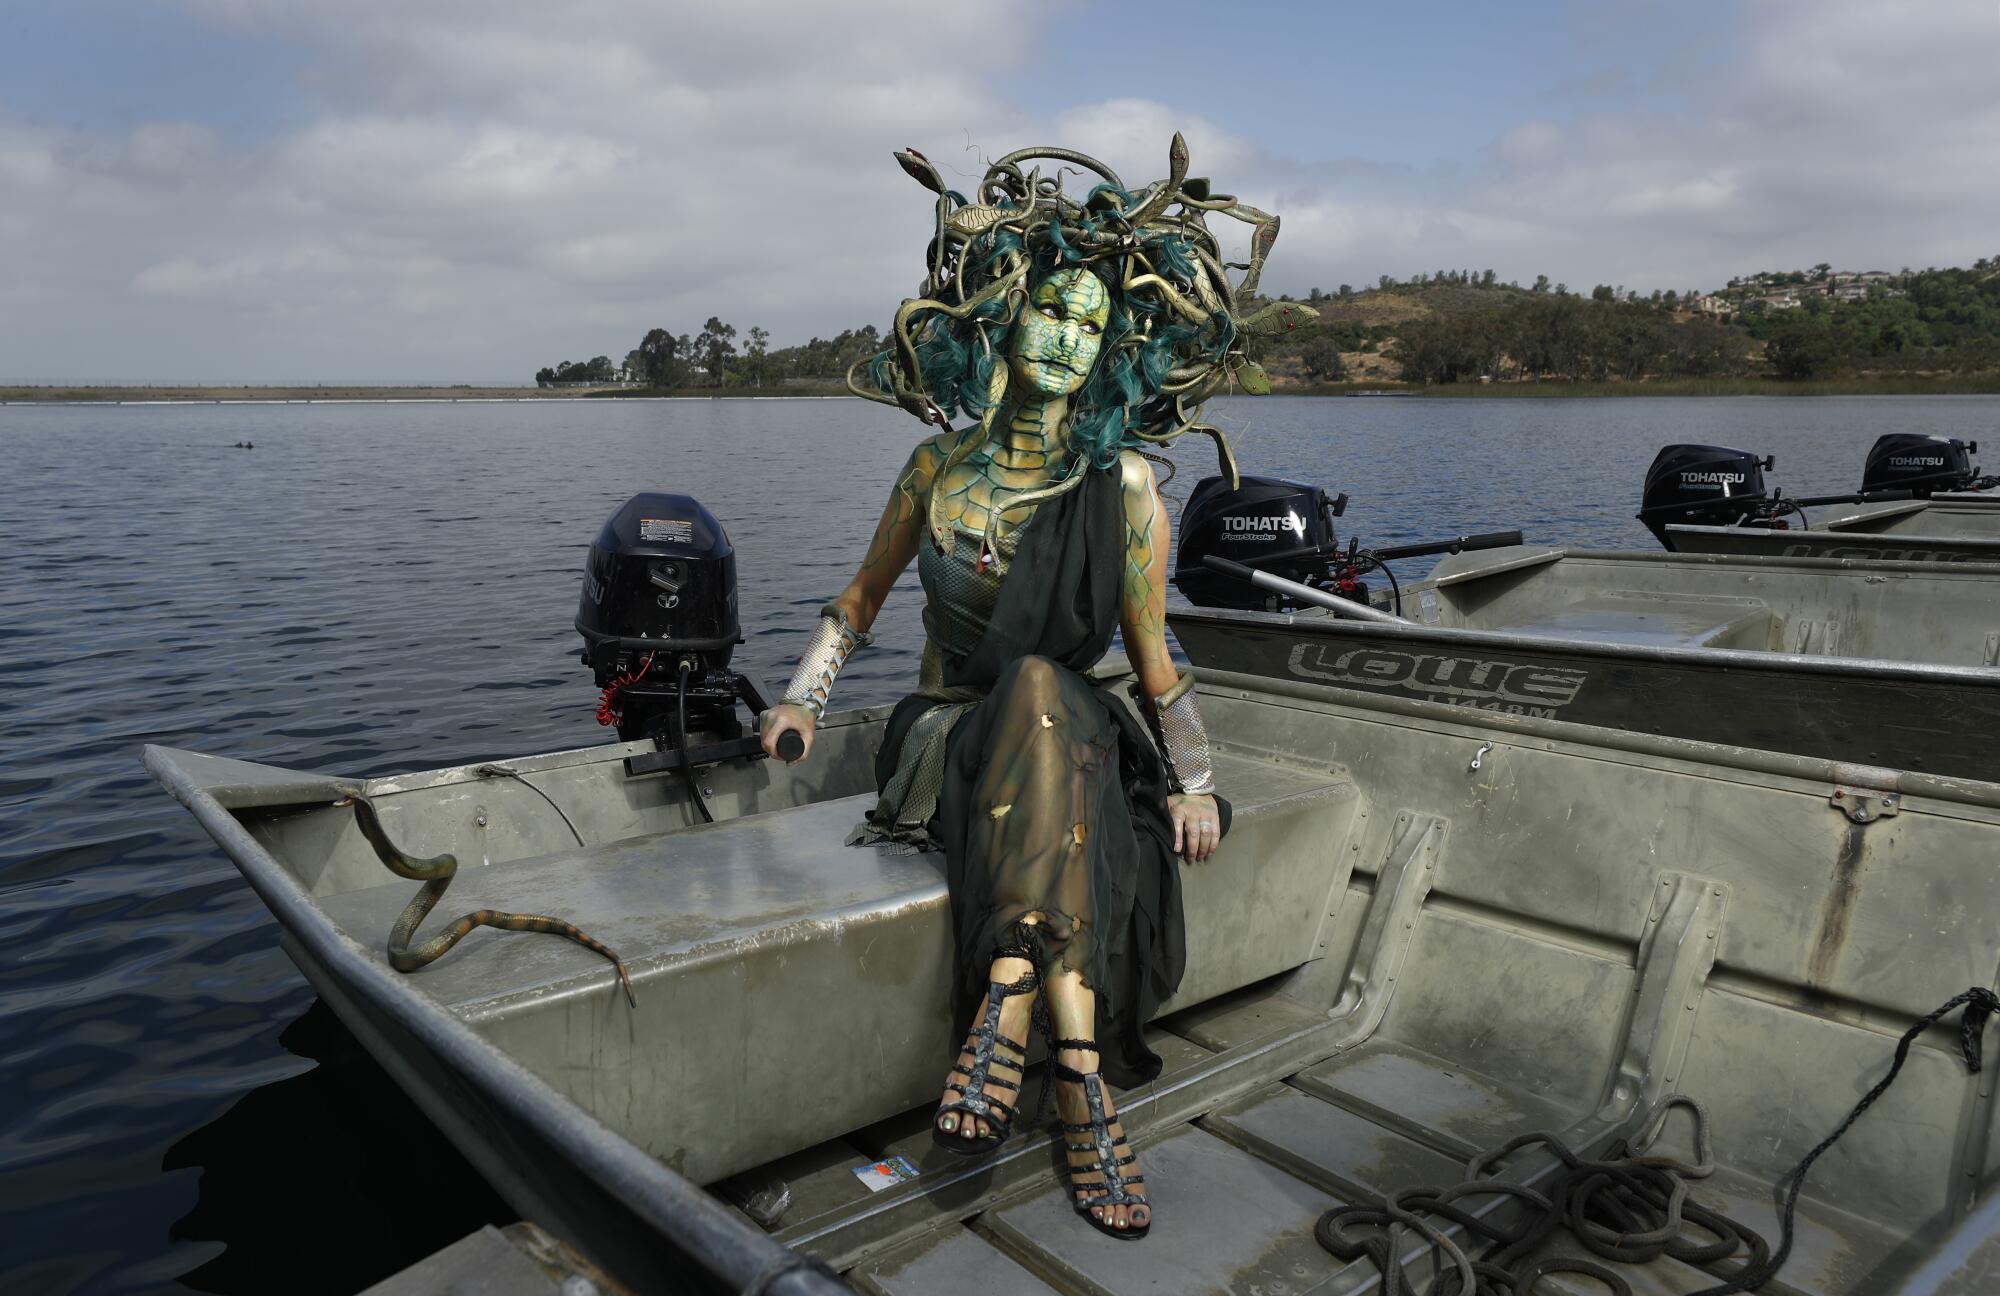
{"type": "Point", "coordinates": [1702, 485]}
{"type": "Point", "coordinates": [1267, 516]}
{"type": "Point", "coordinates": [1911, 461]}
{"type": "Point", "coordinates": [659, 622]}
{"type": "Point", "coordinates": [1275, 528]}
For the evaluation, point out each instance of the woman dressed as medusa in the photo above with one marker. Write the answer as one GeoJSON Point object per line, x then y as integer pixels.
{"type": "Point", "coordinates": [1070, 333]}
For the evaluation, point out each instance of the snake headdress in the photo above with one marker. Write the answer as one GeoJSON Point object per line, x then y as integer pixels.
{"type": "Point", "coordinates": [1176, 334]}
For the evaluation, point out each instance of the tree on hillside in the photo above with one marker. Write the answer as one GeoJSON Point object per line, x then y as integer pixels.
{"type": "Point", "coordinates": [598, 369]}
{"type": "Point", "coordinates": [661, 358]}
{"type": "Point", "coordinates": [823, 359]}
{"type": "Point", "coordinates": [713, 348]}
{"type": "Point", "coordinates": [1439, 349]}
{"type": "Point", "coordinates": [1321, 359]}
{"type": "Point", "coordinates": [1541, 284]}
{"type": "Point", "coordinates": [1800, 349]}
{"type": "Point", "coordinates": [756, 355]}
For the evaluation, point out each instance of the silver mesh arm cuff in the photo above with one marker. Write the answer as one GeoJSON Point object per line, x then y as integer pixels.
{"type": "Point", "coordinates": [832, 643]}
{"type": "Point", "coordinates": [1179, 730]}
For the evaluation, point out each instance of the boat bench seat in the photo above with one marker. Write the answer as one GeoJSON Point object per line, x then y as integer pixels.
{"type": "Point", "coordinates": [791, 988]}
{"type": "Point", "coordinates": [1649, 620]}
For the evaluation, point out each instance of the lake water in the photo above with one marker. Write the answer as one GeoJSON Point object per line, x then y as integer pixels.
{"type": "Point", "coordinates": [386, 587]}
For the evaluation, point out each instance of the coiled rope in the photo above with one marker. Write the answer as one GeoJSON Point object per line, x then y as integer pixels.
{"type": "Point", "coordinates": [1630, 1209]}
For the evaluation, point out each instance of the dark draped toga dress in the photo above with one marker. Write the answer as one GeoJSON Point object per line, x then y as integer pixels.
{"type": "Point", "coordinates": [1044, 795]}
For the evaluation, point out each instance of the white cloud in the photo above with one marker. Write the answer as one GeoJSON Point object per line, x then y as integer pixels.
{"type": "Point", "coordinates": [490, 189]}
{"type": "Point", "coordinates": [490, 185]}
{"type": "Point", "coordinates": [1858, 133]}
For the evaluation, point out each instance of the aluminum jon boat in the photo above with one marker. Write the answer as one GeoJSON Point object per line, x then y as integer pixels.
{"type": "Point", "coordinates": [1432, 929]}
{"type": "Point", "coordinates": [1894, 664]}
{"type": "Point", "coordinates": [1941, 528]}
{"type": "Point", "coordinates": [1921, 500]}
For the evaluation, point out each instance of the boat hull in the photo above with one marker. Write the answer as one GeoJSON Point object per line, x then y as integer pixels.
{"type": "Point", "coordinates": [1938, 719]}
{"type": "Point", "coordinates": [555, 1162]}
{"type": "Point", "coordinates": [1942, 529]}
{"type": "Point", "coordinates": [1892, 664]}
{"type": "Point", "coordinates": [1514, 923]}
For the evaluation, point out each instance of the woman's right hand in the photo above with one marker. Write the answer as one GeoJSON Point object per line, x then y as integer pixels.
{"type": "Point", "coordinates": [782, 718]}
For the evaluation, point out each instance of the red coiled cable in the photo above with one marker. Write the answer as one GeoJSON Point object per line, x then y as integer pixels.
{"type": "Point", "coordinates": [608, 710]}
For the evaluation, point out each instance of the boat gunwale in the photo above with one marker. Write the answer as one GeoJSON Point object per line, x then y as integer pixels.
{"type": "Point", "coordinates": [1874, 512]}
{"type": "Point", "coordinates": [732, 1250]}
{"type": "Point", "coordinates": [566, 758]}
{"type": "Point", "coordinates": [1875, 668]}
{"type": "Point", "coordinates": [1865, 566]}
{"type": "Point", "coordinates": [1816, 772]}
{"type": "Point", "coordinates": [1832, 534]}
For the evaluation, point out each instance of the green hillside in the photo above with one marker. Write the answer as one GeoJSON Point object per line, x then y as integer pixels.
{"type": "Point", "coordinates": [1460, 326]}
{"type": "Point", "coordinates": [1820, 329]}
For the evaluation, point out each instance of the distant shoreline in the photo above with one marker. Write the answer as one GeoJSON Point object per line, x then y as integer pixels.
{"type": "Point", "coordinates": [1941, 385]}
{"type": "Point", "coordinates": [253, 395]}
{"type": "Point", "coordinates": [1987, 384]}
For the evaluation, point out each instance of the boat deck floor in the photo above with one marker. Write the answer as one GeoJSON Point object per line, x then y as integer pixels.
{"type": "Point", "coordinates": [1650, 620]}
{"type": "Point", "coordinates": [1237, 1189]}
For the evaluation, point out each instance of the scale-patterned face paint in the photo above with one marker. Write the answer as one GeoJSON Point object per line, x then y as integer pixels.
{"type": "Point", "coordinates": [1059, 333]}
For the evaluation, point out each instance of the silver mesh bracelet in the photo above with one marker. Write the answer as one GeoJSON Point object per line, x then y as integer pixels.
{"type": "Point", "coordinates": [832, 642]}
{"type": "Point", "coordinates": [1179, 728]}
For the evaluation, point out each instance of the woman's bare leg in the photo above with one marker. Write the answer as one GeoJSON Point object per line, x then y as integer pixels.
{"type": "Point", "coordinates": [1074, 1009]}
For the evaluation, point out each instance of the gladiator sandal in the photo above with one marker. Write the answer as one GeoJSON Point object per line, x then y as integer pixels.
{"type": "Point", "coordinates": [1112, 1153]}
{"type": "Point", "coordinates": [978, 1061]}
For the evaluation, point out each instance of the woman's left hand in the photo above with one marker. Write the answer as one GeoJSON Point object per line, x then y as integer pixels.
{"type": "Point", "coordinates": [1197, 825]}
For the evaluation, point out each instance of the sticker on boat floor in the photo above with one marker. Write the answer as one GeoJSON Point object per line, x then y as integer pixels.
{"type": "Point", "coordinates": [885, 1174]}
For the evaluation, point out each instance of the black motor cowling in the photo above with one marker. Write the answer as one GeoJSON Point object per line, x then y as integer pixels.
{"type": "Point", "coordinates": [1265, 517]}
{"type": "Point", "coordinates": [1701, 485]}
{"type": "Point", "coordinates": [1911, 461]}
{"type": "Point", "coordinates": [658, 617]}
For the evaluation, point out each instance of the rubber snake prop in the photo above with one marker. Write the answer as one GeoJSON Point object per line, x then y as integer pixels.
{"type": "Point", "coordinates": [436, 873]}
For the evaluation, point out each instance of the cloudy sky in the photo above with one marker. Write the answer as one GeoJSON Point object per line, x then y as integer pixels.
{"type": "Point", "coordinates": [464, 190]}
